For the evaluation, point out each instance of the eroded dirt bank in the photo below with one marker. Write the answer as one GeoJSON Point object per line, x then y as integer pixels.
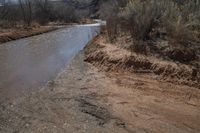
{"type": "Point", "coordinates": [93, 98]}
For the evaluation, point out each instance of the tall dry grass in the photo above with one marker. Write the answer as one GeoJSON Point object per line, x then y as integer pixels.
{"type": "Point", "coordinates": [182, 22]}
{"type": "Point", "coordinates": [179, 19]}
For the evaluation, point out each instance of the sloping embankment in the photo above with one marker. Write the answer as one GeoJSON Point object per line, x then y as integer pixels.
{"type": "Point", "coordinates": [112, 57]}
{"type": "Point", "coordinates": [17, 34]}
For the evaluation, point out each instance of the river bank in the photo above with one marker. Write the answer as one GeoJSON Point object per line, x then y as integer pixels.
{"type": "Point", "coordinates": [88, 98]}
{"type": "Point", "coordinates": [18, 32]}
{"type": "Point", "coordinates": [7, 35]}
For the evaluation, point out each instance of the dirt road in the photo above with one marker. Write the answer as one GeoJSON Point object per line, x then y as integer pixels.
{"type": "Point", "coordinates": [86, 99]}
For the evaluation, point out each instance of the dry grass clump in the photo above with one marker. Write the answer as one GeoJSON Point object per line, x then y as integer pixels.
{"type": "Point", "coordinates": [182, 23]}
{"type": "Point", "coordinates": [142, 17]}
{"type": "Point", "coordinates": [146, 21]}
{"type": "Point", "coordinates": [22, 33]}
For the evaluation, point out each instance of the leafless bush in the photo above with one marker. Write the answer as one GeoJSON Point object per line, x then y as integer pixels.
{"type": "Point", "coordinates": [143, 16]}
{"type": "Point", "coordinates": [109, 10]}
{"type": "Point", "coordinates": [178, 19]}
{"type": "Point", "coordinates": [134, 16]}
{"type": "Point", "coordinates": [65, 13]}
{"type": "Point", "coordinates": [9, 15]}
{"type": "Point", "coordinates": [43, 11]}
{"type": "Point", "coordinates": [3, 9]}
{"type": "Point", "coordinates": [182, 23]}
{"type": "Point", "coordinates": [46, 11]}
{"type": "Point", "coordinates": [26, 9]}
{"type": "Point", "coordinates": [112, 28]}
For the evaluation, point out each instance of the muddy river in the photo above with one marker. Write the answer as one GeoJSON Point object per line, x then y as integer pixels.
{"type": "Point", "coordinates": [29, 63]}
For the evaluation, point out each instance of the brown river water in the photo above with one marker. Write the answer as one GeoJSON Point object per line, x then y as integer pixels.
{"type": "Point", "coordinates": [29, 63]}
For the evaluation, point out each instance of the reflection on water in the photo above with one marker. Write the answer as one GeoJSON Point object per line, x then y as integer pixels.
{"type": "Point", "coordinates": [31, 62]}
